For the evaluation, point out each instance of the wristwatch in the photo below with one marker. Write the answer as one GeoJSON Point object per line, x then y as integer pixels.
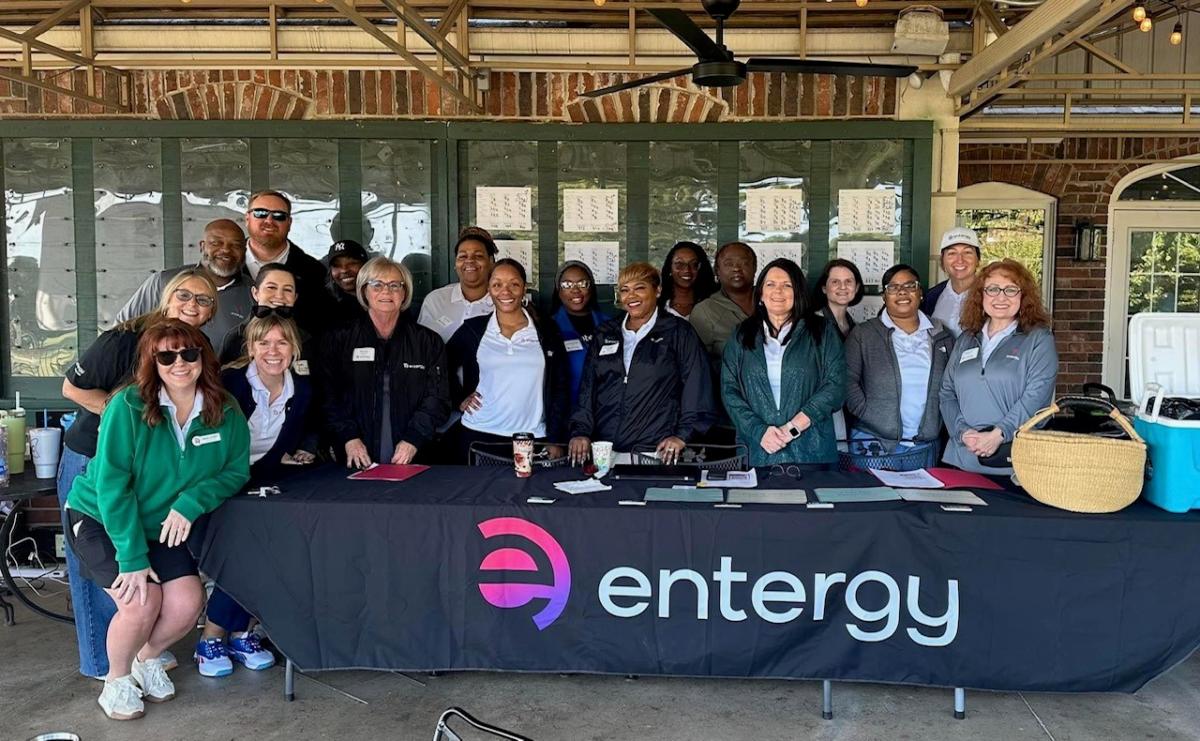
{"type": "Point", "coordinates": [793, 430]}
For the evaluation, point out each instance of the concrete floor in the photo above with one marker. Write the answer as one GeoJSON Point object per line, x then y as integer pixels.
{"type": "Point", "coordinates": [41, 691]}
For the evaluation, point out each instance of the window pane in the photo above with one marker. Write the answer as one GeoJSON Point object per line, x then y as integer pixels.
{"type": "Point", "coordinates": [501, 164]}
{"type": "Point", "coordinates": [683, 196]}
{"type": "Point", "coordinates": [1163, 271]}
{"type": "Point", "coordinates": [128, 201]}
{"type": "Point", "coordinates": [1177, 185]}
{"type": "Point", "coordinates": [306, 171]}
{"type": "Point", "coordinates": [40, 232]}
{"type": "Point", "coordinates": [587, 166]}
{"type": "Point", "coordinates": [215, 182]}
{"type": "Point", "coordinates": [1014, 233]}
{"type": "Point", "coordinates": [871, 168]}
{"type": "Point", "coordinates": [775, 164]}
{"type": "Point", "coordinates": [397, 188]}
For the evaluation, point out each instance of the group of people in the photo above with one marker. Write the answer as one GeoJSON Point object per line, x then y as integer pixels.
{"type": "Point", "coordinates": [260, 358]}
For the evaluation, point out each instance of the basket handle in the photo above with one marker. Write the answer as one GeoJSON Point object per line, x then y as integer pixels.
{"type": "Point", "coordinates": [1044, 414]}
{"type": "Point", "coordinates": [1103, 391]}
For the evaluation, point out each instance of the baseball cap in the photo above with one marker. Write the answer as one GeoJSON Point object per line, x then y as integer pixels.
{"type": "Point", "coordinates": [960, 235]}
{"type": "Point", "coordinates": [347, 248]}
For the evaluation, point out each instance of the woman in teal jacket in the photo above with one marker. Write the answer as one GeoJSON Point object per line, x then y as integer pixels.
{"type": "Point", "coordinates": [784, 374]}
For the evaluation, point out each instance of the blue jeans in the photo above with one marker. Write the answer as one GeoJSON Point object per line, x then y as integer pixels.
{"type": "Point", "coordinates": [223, 611]}
{"type": "Point", "coordinates": [93, 608]}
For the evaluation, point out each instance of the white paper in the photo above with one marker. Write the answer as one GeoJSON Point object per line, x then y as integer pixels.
{"type": "Point", "coordinates": [504, 208]}
{"type": "Point", "coordinates": [947, 496]}
{"type": "Point", "coordinates": [586, 486]}
{"type": "Point", "coordinates": [918, 479]}
{"type": "Point", "coordinates": [768, 251]}
{"type": "Point", "coordinates": [590, 210]}
{"type": "Point", "coordinates": [732, 480]}
{"type": "Point", "coordinates": [767, 496]}
{"type": "Point", "coordinates": [868, 308]}
{"type": "Point", "coordinates": [866, 211]}
{"type": "Point", "coordinates": [872, 258]}
{"type": "Point", "coordinates": [602, 257]}
{"type": "Point", "coordinates": [520, 250]}
{"type": "Point", "coordinates": [774, 210]}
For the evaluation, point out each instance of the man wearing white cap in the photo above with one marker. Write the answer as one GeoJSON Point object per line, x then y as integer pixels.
{"type": "Point", "coordinates": [960, 259]}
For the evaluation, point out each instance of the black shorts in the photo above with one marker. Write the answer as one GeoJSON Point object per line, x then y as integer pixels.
{"type": "Point", "coordinates": [98, 557]}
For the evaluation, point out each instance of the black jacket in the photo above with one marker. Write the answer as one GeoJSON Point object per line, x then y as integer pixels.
{"type": "Point", "coordinates": [233, 346]}
{"type": "Point", "coordinates": [312, 300]}
{"type": "Point", "coordinates": [343, 307]}
{"type": "Point", "coordinates": [929, 303]}
{"type": "Point", "coordinates": [299, 422]}
{"type": "Point", "coordinates": [415, 358]}
{"type": "Point", "coordinates": [463, 350]}
{"type": "Point", "coordinates": [668, 390]}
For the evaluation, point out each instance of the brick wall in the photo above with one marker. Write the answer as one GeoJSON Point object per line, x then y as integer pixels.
{"type": "Point", "coordinates": [546, 96]}
{"type": "Point", "coordinates": [1084, 191]}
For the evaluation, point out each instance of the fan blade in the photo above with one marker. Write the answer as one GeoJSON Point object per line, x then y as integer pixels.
{"type": "Point", "coordinates": [686, 30]}
{"type": "Point", "coordinates": [637, 83]}
{"type": "Point", "coordinates": [825, 67]}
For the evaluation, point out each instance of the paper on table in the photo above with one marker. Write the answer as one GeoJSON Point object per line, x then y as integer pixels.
{"type": "Point", "coordinates": [661, 494]}
{"type": "Point", "coordinates": [941, 496]}
{"type": "Point", "coordinates": [866, 211]}
{"type": "Point", "coordinates": [590, 210]}
{"type": "Point", "coordinates": [868, 308]}
{"type": "Point", "coordinates": [602, 257]}
{"type": "Point", "coordinates": [504, 208]}
{"type": "Point", "coordinates": [765, 252]}
{"type": "Point", "coordinates": [868, 494]}
{"type": "Point", "coordinates": [774, 210]}
{"type": "Point", "coordinates": [768, 496]}
{"type": "Point", "coordinates": [520, 250]}
{"type": "Point", "coordinates": [961, 479]}
{"type": "Point", "coordinates": [918, 479]}
{"type": "Point", "coordinates": [732, 480]}
{"type": "Point", "coordinates": [586, 486]}
{"type": "Point", "coordinates": [388, 472]}
{"type": "Point", "coordinates": [872, 259]}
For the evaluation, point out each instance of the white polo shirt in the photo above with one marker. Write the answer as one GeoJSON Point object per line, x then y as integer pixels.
{"type": "Point", "coordinates": [253, 264]}
{"type": "Point", "coordinates": [446, 308]}
{"type": "Point", "coordinates": [914, 357]}
{"type": "Point", "coordinates": [773, 350]}
{"type": "Point", "coordinates": [180, 430]}
{"type": "Point", "coordinates": [511, 374]}
{"type": "Point", "coordinates": [987, 344]}
{"type": "Point", "coordinates": [267, 420]}
{"type": "Point", "coordinates": [949, 308]}
{"type": "Point", "coordinates": [631, 338]}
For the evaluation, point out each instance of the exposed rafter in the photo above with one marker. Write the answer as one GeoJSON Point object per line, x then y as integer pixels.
{"type": "Point", "coordinates": [446, 22]}
{"type": "Point", "coordinates": [54, 19]}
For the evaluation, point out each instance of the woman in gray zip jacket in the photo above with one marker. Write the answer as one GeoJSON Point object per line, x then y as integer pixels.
{"type": "Point", "coordinates": [1003, 366]}
{"type": "Point", "coordinates": [894, 367]}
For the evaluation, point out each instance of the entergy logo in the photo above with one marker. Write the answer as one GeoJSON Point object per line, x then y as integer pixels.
{"type": "Point", "coordinates": [507, 594]}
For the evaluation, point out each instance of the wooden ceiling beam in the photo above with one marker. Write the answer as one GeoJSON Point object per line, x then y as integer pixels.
{"type": "Point", "coordinates": [54, 19]}
{"type": "Point", "coordinates": [453, 9]}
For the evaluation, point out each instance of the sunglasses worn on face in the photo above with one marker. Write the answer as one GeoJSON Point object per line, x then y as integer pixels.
{"type": "Point", "coordinates": [202, 299]}
{"type": "Point", "coordinates": [262, 213]}
{"type": "Point", "coordinates": [567, 285]}
{"type": "Point", "coordinates": [167, 357]}
{"type": "Point", "coordinates": [283, 312]}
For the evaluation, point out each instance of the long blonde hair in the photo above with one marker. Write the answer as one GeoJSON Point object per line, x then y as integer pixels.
{"type": "Point", "coordinates": [158, 314]}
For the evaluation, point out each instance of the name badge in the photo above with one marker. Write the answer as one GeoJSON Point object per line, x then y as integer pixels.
{"type": "Point", "coordinates": [212, 437]}
{"type": "Point", "coordinates": [969, 355]}
{"type": "Point", "coordinates": [609, 349]}
{"type": "Point", "coordinates": [364, 354]}
{"type": "Point", "coordinates": [573, 345]}
{"type": "Point", "coordinates": [301, 367]}
{"type": "Point", "coordinates": [445, 321]}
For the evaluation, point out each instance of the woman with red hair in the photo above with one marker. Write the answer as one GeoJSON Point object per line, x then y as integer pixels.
{"type": "Point", "coordinates": [172, 446]}
{"type": "Point", "coordinates": [1002, 369]}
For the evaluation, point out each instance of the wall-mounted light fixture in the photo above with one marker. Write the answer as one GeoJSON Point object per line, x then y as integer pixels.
{"type": "Point", "coordinates": [1089, 241]}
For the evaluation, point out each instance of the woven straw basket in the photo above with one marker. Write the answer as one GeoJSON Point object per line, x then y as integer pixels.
{"type": "Point", "coordinates": [1078, 472]}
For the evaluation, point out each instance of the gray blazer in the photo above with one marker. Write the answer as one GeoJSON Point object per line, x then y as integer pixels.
{"type": "Point", "coordinates": [1017, 381]}
{"type": "Point", "coordinates": [873, 380]}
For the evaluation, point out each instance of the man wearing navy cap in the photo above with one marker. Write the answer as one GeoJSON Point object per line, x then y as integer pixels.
{"type": "Point", "coordinates": [346, 257]}
{"type": "Point", "coordinates": [960, 260]}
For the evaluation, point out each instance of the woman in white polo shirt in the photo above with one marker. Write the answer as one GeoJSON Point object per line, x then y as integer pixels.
{"type": "Point", "coordinates": [446, 308]}
{"type": "Point", "coordinates": [515, 376]}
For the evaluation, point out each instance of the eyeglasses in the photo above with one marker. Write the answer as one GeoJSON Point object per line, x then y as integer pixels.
{"type": "Point", "coordinates": [167, 357]}
{"type": "Point", "coordinates": [201, 299]}
{"type": "Point", "coordinates": [790, 470]}
{"type": "Point", "coordinates": [1010, 291]}
{"type": "Point", "coordinates": [910, 287]}
{"type": "Point", "coordinates": [394, 286]}
{"type": "Point", "coordinates": [683, 264]}
{"type": "Point", "coordinates": [283, 312]}
{"type": "Point", "coordinates": [262, 213]}
{"type": "Point", "coordinates": [567, 285]}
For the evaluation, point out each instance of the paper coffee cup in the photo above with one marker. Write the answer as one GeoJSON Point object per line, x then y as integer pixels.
{"type": "Point", "coordinates": [46, 443]}
{"type": "Point", "coordinates": [602, 456]}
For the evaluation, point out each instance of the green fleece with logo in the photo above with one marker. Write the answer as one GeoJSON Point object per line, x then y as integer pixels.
{"type": "Point", "coordinates": [140, 474]}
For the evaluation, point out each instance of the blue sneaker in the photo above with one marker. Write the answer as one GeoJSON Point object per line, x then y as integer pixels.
{"type": "Point", "coordinates": [212, 658]}
{"type": "Point", "coordinates": [247, 651]}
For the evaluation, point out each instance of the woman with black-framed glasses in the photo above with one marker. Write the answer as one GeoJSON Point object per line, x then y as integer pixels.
{"type": "Point", "coordinates": [577, 315]}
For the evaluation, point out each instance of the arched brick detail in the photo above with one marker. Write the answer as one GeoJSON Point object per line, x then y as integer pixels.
{"type": "Point", "coordinates": [231, 101]}
{"type": "Point", "coordinates": [656, 103]}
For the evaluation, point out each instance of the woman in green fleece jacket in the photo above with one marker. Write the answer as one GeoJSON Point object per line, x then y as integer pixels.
{"type": "Point", "coordinates": [173, 445]}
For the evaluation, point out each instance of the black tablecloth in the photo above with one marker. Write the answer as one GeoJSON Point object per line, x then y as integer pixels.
{"type": "Point", "coordinates": [1013, 596]}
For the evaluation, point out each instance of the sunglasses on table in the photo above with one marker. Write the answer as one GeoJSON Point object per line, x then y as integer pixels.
{"type": "Point", "coordinates": [202, 299]}
{"type": "Point", "coordinates": [283, 312]}
{"type": "Point", "coordinates": [262, 213]}
{"type": "Point", "coordinates": [167, 357]}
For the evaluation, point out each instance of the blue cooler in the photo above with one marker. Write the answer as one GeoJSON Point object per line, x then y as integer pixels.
{"type": "Point", "coordinates": [1161, 349]}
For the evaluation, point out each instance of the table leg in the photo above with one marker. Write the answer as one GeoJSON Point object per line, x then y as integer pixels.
{"type": "Point", "coordinates": [9, 612]}
{"type": "Point", "coordinates": [289, 681]}
{"type": "Point", "coordinates": [960, 703]}
{"type": "Point", "coordinates": [827, 699]}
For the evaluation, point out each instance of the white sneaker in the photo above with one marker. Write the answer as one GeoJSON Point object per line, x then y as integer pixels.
{"type": "Point", "coordinates": [122, 699]}
{"type": "Point", "coordinates": [169, 661]}
{"type": "Point", "coordinates": [152, 678]}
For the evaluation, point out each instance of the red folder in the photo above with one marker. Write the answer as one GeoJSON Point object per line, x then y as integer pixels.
{"type": "Point", "coordinates": [956, 479]}
{"type": "Point", "coordinates": [389, 472]}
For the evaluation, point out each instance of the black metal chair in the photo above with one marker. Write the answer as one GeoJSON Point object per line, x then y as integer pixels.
{"type": "Point", "coordinates": [704, 457]}
{"type": "Point", "coordinates": [443, 732]}
{"type": "Point", "coordinates": [500, 454]}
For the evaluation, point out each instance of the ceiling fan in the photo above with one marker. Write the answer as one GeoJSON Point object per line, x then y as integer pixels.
{"type": "Point", "coordinates": [717, 66]}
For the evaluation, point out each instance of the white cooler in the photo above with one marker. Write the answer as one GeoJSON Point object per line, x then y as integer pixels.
{"type": "Point", "coordinates": [1164, 361]}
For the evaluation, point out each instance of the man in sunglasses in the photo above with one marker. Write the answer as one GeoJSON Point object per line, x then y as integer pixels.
{"type": "Point", "coordinates": [223, 258]}
{"type": "Point", "coordinates": [268, 222]}
{"type": "Point", "coordinates": [346, 257]}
